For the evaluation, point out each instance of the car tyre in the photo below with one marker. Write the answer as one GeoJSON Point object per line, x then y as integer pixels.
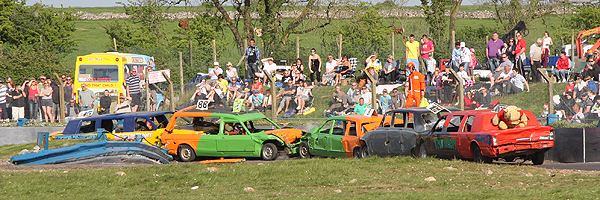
{"type": "Point", "coordinates": [356, 153]}
{"type": "Point", "coordinates": [303, 150]}
{"type": "Point", "coordinates": [538, 158]}
{"type": "Point", "coordinates": [478, 157]}
{"type": "Point", "coordinates": [268, 151]}
{"type": "Point", "coordinates": [186, 153]}
{"type": "Point", "coordinates": [422, 152]}
{"type": "Point", "coordinates": [364, 151]}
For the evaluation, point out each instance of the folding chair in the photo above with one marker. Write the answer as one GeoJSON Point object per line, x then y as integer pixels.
{"type": "Point", "coordinates": [352, 71]}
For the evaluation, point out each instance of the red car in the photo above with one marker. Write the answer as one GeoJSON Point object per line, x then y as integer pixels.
{"type": "Point", "coordinates": [471, 135]}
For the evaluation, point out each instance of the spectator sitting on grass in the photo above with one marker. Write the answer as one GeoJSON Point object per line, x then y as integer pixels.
{"type": "Point", "coordinates": [303, 93]}
{"type": "Point", "coordinates": [361, 107]}
{"type": "Point", "coordinates": [286, 96]}
{"type": "Point", "coordinates": [267, 101]}
{"type": "Point", "coordinates": [233, 90]}
{"type": "Point", "coordinates": [578, 118]}
{"type": "Point", "coordinates": [257, 100]}
{"type": "Point", "coordinates": [591, 84]}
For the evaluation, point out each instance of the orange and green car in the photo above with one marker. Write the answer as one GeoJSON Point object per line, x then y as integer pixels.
{"type": "Point", "coordinates": [194, 133]}
{"type": "Point", "coordinates": [339, 136]}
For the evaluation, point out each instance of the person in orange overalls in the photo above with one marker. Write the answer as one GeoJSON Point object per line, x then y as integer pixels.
{"type": "Point", "coordinates": [416, 86]}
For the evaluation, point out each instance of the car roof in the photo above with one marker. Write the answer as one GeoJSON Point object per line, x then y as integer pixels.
{"type": "Point", "coordinates": [356, 118]}
{"type": "Point", "coordinates": [73, 125]}
{"type": "Point", "coordinates": [219, 112]}
{"type": "Point", "coordinates": [421, 110]}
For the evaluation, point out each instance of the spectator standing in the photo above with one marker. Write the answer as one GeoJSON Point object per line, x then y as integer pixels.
{"type": "Point", "coordinates": [55, 100]}
{"type": "Point", "coordinates": [546, 43]}
{"type": "Point", "coordinates": [33, 94]}
{"type": "Point", "coordinates": [509, 49]}
{"type": "Point", "coordinates": [389, 70]}
{"type": "Point", "coordinates": [105, 102]}
{"type": "Point", "coordinates": [520, 52]}
{"type": "Point", "coordinates": [46, 101]}
{"type": "Point", "coordinates": [535, 57]}
{"type": "Point", "coordinates": [69, 100]}
{"type": "Point", "coordinates": [330, 68]}
{"type": "Point", "coordinates": [416, 87]}
{"type": "Point", "coordinates": [215, 71]}
{"type": "Point", "coordinates": [314, 64]}
{"type": "Point", "coordinates": [10, 87]}
{"type": "Point", "coordinates": [299, 66]}
{"type": "Point", "coordinates": [3, 95]}
{"type": "Point", "coordinates": [252, 57]}
{"type": "Point", "coordinates": [563, 64]}
{"type": "Point", "coordinates": [465, 56]}
{"type": "Point", "coordinates": [493, 51]}
{"type": "Point", "coordinates": [427, 50]}
{"type": "Point", "coordinates": [398, 99]}
{"type": "Point", "coordinates": [18, 103]}
{"type": "Point", "coordinates": [384, 101]}
{"type": "Point", "coordinates": [412, 51]}
{"type": "Point", "coordinates": [86, 98]}
{"type": "Point", "coordinates": [438, 82]}
{"type": "Point", "coordinates": [133, 90]}
{"type": "Point", "coordinates": [456, 53]}
{"type": "Point", "coordinates": [449, 82]}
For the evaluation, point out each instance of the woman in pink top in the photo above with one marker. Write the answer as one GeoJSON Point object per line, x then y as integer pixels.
{"type": "Point", "coordinates": [562, 68]}
{"type": "Point", "coordinates": [32, 98]}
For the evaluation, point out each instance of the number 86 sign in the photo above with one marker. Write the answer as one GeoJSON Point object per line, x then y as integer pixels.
{"type": "Point", "coordinates": [202, 105]}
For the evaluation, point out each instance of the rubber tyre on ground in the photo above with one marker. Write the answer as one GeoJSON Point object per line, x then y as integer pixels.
{"type": "Point", "coordinates": [303, 150]}
{"type": "Point", "coordinates": [478, 157]}
{"type": "Point", "coordinates": [186, 153]}
{"type": "Point", "coordinates": [268, 152]}
{"type": "Point", "coordinates": [356, 152]}
{"type": "Point", "coordinates": [364, 151]}
{"type": "Point", "coordinates": [422, 151]}
{"type": "Point", "coordinates": [538, 158]}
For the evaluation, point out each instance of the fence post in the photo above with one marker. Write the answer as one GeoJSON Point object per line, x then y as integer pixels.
{"type": "Point", "coordinates": [461, 93]}
{"type": "Point", "coordinates": [273, 94]}
{"type": "Point", "coordinates": [172, 104]}
{"type": "Point", "coordinates": [573, 45]}
{"type": "Point", "coordinates": [191, 57]}
{"type": "Point", "coordinates": [115, 43]}
{"type": "Point", "coordinates": [181, 72]}
{"type": "Point", "coordinates": [550, 100]}
{"type": "Point", "coordinates": [340, 47]}
{"type": "Point", "coordinates": [297, 47]}
{"type": "Point", "coordinates": [147, 83]}
{"type": "Point", "coordinates": [373, 91]}
{"type": "Point", "coordinates": [214, 50]}
{"type": "Point", "coordinates": [393, 46]}
{"type": "Point", "coordinates": [62, 97]}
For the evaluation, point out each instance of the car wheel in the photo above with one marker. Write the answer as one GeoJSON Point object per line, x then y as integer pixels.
{"type": "Point", "coordinates": [478, 157]}
{"type": "Point", "coordinates": [364, 151]}
{"type": "Point", "coordinates": [356, 152]}
{"type": "Point", "coordinates": [186, 153]}
{"type": "Point", "coordinates": [269, 151]}
{"type": "Point", "coordinates": [538, 158]}
{"type": "Point", "coordinates": [422, 153]}
{"type": "Point", "coordinates": [303, 150]}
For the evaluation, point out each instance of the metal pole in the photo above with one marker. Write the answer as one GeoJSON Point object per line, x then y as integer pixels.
{"type": "Point", "coordinates": [191, 57]}
{"type": "Point", "coordinates": [62, 97]}
{"type": "Point", "coordinates": [461, 92]}
{"type": "Point", "coordinates": [181, 72]}
{"type": "Point", "coordinates": [583, 145]}
{"type": "Point", "coordinates": [115, 43]}
{"type": "Point", "coordinates": [147, 83]}
{"type": "Point", "coordinates": [172, 103]}
{"type": "Point", "coordinates": [340, 47]}
{"type": "Point", "coordinates": [214, 50]}
{"type": "Point", "coordinates": [549, 80]}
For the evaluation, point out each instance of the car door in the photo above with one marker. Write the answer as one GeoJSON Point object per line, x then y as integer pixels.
{"type": "Point", "coordinates": [207, 142]}
{"type": "Point", "coordinates": [463, 146]}
{"type": "Point", "coordinates": [351, 140]}
{"type": "Point", "coordinates": [431, 137]}
{"type": "Point", "coordinates": [446, 141]}
{"type": "Point", "coordinates": [319, 145]}
{"type": "Point", "coordinates": [235, 139]}
{"type": "Point", "coordinates": [334, 140]}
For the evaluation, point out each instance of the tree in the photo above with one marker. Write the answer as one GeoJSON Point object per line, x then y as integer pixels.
{"type": "Point", "coordinates": [510, 12]}
{"type": "Point", "coordinates": [34, 39]}
{"type": "Point", "coordinates": [453, 12]}
{"type": "Point", "coordinates": [435, 17]}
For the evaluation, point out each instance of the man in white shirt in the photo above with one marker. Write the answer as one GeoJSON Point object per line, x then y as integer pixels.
{"type": "Point", "coordinates": [330, 71]}
{"type": "Point", "coordinates": [268, 66]}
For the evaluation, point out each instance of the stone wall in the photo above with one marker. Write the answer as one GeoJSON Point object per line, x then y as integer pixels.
{"type": "Point", "coordinates": [336, 14]}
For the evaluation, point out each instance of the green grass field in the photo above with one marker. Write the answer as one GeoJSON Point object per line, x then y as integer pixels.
{"type": "Point", "coordinates": [380, 178]}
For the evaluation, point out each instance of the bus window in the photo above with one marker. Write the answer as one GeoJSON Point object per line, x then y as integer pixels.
{"type": "Point", "coordinates": [98, 73]}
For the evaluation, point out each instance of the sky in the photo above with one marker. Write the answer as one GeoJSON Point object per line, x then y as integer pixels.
{"type": "Point", "coordinates": [112, 3]}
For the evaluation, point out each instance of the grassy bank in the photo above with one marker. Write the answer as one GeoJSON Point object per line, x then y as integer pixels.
{"type": "Point", "coordinates": [381, 178]}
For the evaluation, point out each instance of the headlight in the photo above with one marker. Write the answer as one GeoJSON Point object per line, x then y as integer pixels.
{"type": "Point", "coordinates": [495, 140]}
{"type": "Point", "coordinates": [548, 137]}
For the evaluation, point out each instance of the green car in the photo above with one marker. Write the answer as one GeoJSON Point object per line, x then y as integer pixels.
{"type": "Point", "coordinates": [191, 133]}
{"type": "Point", "coordinates": [339, 136]}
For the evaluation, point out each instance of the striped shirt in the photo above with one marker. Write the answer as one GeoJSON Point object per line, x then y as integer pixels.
{"type": "Point", "coordinates": [3, 90]}
{"type": "Point", "coordinates": [134, 84]}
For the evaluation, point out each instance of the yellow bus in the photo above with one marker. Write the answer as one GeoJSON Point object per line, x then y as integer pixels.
{"type": "Point", "coordinates": [108, 71]}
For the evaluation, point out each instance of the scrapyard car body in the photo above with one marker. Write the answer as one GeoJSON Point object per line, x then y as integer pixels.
{"type": "Point", "coordinates": [401, 137]}
{"type": "Point", "coordinates": [471, 135]}
{"type": "Point", "coordinates": [121, 126]}
{"type": "Point", "coordinates": [339, 136]}
{"type": "Point", "coordinates": [192, 133]}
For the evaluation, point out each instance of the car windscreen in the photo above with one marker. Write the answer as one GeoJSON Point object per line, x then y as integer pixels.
{"type": "Point", "coordinates": [259, 125]}
{"type": "Point", "coordinates": [98, 73]}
